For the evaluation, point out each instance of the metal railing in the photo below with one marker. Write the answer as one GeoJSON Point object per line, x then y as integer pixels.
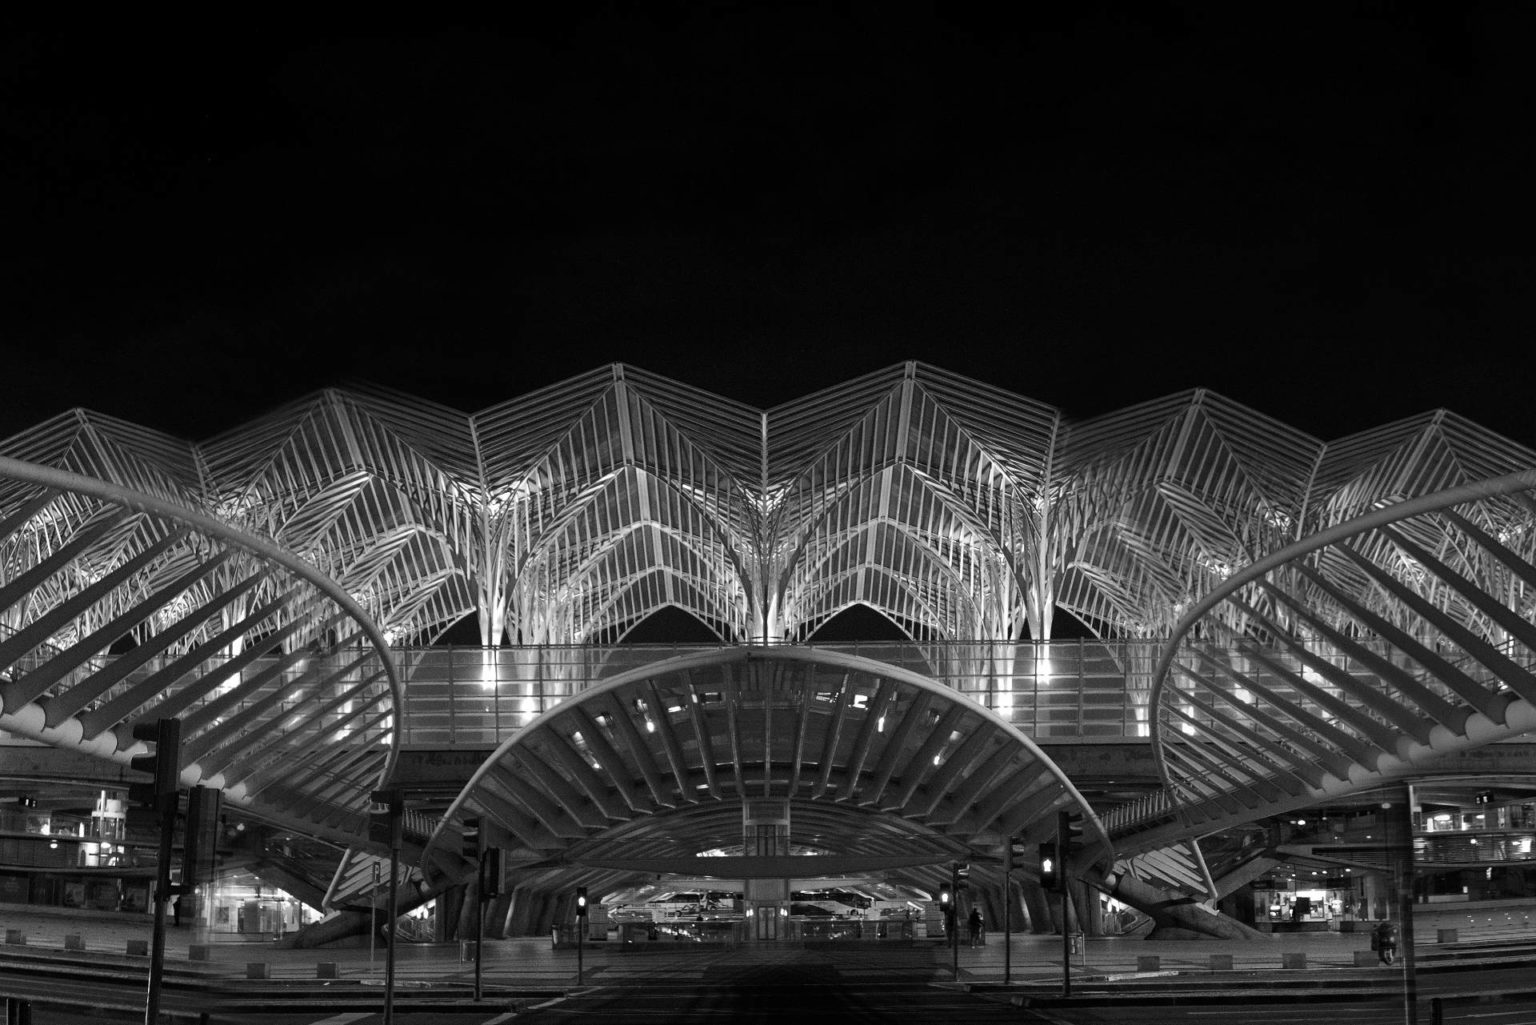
{"type": "Point", "coordinates": [1078, 691]}
{"type": "Point", "coordinates": [1064, 691]}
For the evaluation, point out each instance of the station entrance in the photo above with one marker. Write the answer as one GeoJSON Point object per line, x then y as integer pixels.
{"type": "Point", "coordinates": [770, 770]}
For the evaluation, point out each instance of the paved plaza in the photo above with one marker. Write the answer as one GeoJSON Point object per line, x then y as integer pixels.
{"type": "Point", "coordinates": [533, 962]}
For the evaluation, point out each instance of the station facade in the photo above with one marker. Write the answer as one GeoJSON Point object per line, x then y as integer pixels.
{"type": "Point", "coordinates": [1265, 624]}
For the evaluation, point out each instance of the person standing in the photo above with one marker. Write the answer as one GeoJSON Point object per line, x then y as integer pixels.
{"type": "Point", "coordinates": [974, 922]}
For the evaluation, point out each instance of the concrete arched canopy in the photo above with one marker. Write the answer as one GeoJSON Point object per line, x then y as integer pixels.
{"type": "Point", "coordinates": [884, 773]}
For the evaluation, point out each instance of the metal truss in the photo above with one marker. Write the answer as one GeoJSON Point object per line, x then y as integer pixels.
{"type": "Point", "coordinates": [872, 763]}
{"type": "Point", "coordinates": [120, 602]}
{"type": "Point", "coordinates": [1360, 654]}
{"type": "Point", "coordinates": [962, 512]}
{"type": "Point", "coordinates": [569, 515]}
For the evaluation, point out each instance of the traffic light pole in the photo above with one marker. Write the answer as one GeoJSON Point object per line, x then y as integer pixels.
{"type": "Point", "coordinates": [396, 808]}
{"type": "Point", "coordinates": [1066, 940]}
{"type": "Point", "coordinates": [163, 796]}
{"type": "Point", "coordinates": [581, 929]}
{"type": "Point", "coordinates": [954, 924]}
{"type": "Point", "coordinates": [1063, 858]}
{"type": "Point", "coordinates": [479, 922]}
{"type": "Point", "coordinates": [162, 897]}
{"type": "Point", "coordinates": [1008, 913]}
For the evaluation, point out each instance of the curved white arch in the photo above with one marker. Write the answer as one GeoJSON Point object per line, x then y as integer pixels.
{"type": "Point", "coordinates": [937, 696]}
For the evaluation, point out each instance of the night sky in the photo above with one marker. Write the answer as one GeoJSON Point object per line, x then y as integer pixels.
{"type": "Point", "coordinates": [1318, 211]}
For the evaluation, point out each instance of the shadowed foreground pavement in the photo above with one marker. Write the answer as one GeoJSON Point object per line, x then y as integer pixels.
{"type": "Point", "coordinates": [781, 986]}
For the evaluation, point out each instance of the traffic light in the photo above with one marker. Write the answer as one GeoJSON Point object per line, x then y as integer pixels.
{"type": "Point", "coordinates": [471, 847]}
{"type": "Point", "coordinates": [581, 902]}
{"type": "Point", "coordinates": [1050, 866]}
{"type": "Point", "coordinates": [490, 873]}
{"type": "Point", "coordinates": [200, 838]}
{"type": "Point", "coordinates": [164, 765]}
{"type": "Point", "coordinates": [1069, 833]}
{"type": "Point", "coordinates": [962, 876]}
{"type": "Point", "coordinates": [946, 898]}
{"type": "Point", "coordinates": [1013, 853]}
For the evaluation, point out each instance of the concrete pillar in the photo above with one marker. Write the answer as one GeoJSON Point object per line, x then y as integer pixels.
{"type": "Point", "coordinates": [456, 912]}
{"type": "Point", "coordinates": [1041, 918]}
{"type": "Point", "coordinates": [991, 899]}
{"type": "Point", "coordinates": [523, 915]}
{"type": "Point", "coordinates": [497, 912]}
{"type": "Point", "coordinates": [546, 912]}
{"type": "Point", "coordinates": [1021, 916]}
{"type": "Point", "coordinates": [1088, 908]}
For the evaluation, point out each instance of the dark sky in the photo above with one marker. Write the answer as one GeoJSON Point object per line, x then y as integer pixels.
{"type": "Point", "coordinates": [1319, 211]}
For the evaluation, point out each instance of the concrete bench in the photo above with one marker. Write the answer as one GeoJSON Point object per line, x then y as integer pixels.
{"type": "Point", "coordinates": [258, 970]}
{"type": "Point", "coordinates": [1296, 960]}
{"type": "Point", "coordinates": [199, 952]}
{"type": "Point", "coordinates": [1365, 958]}
{"type": "Point", "coordinates": [1446, 935]}
{"type": "Point", "coordinates": [74, 942]}
{"type": "Point", "coordinates": [1221, 962]}
{"type": "Point", "coordinates": [1148, 962]}
{"type": "Point", "coordinates": [138, 948]}
{"type": "Point", "coordinates": [16, 937]}
{"type": "Point", "coordinates": [326, 970]}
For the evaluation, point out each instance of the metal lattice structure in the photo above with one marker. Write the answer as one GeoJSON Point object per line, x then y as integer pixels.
{"type": "Point", "coordinates": [1365, 652]}
{"type": "Point", "coordinates": [120, 605]}
{"type": "Point", "coordinates": [569, 515]}
{"type": "Point", "coordinates": [960, 511]}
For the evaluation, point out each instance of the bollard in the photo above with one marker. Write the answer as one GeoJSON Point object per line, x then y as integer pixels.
{"type": "Point", "coordinates": [1296, 960]}
{"type": "Point", "coordinates": [257, 970]}
{"type": "Point", "coordinates": [1436, 1011]}
{"type": "Point", "coordinates": [1148, 962]}
{"type": "Point", "coordinates": [75, 942]}
{"type": "Point", "coordinates": [326, 970]}
{"type": "Point", "coordinates": [138, 948]}
{"type": "Point", "coordinates": [1221, 962]}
